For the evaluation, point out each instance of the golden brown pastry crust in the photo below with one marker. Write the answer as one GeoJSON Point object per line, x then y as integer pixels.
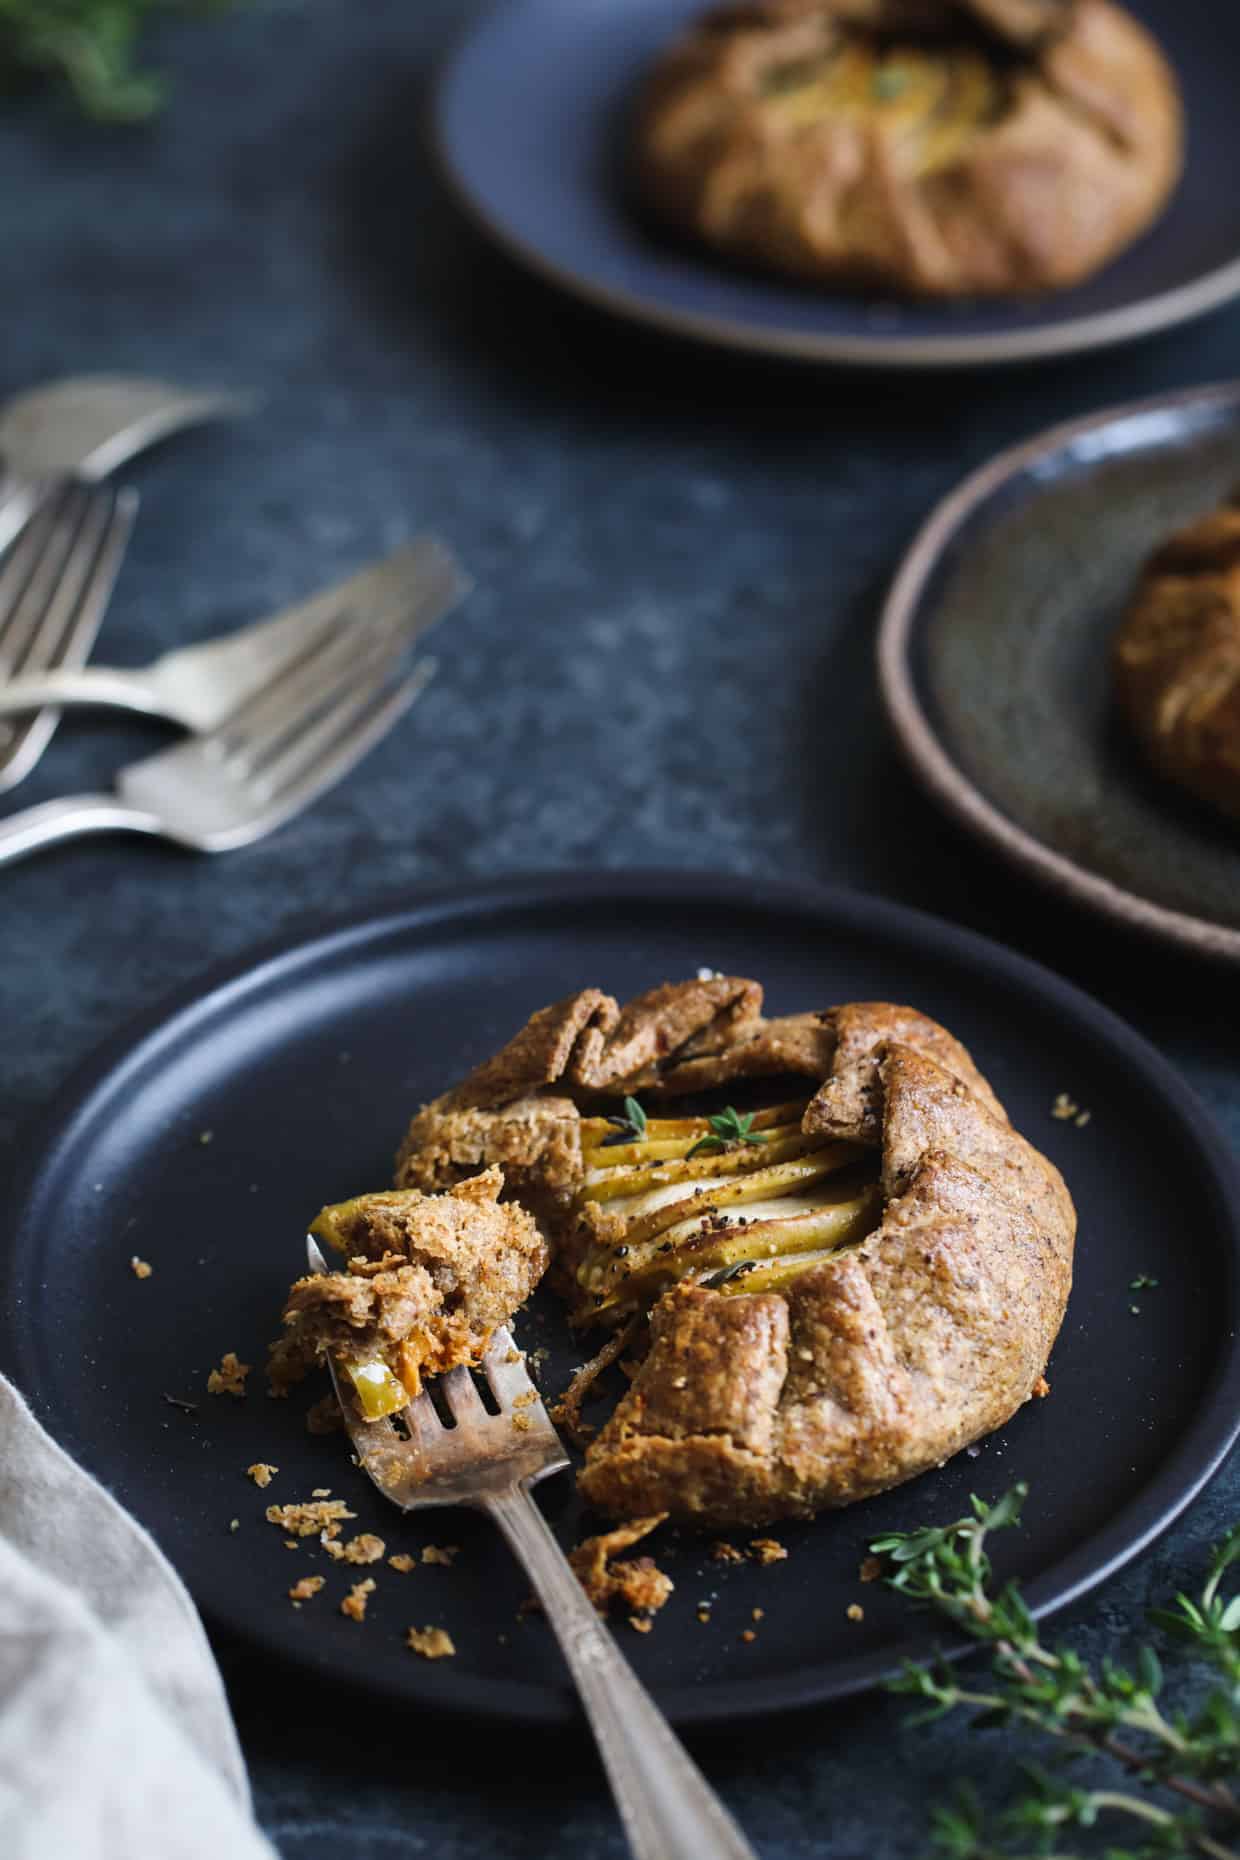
{"type": "Point", "coordinates": [426, 1280]}
{"type": "Point", "coordinates": [1176, 658]}
{"type": "Point", "coordinates": [975, 147]}
{"type": "Point", "coordinates": [872, 1366]}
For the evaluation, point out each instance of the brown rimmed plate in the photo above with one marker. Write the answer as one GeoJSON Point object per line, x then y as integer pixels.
{"type": "Point", "coordinates": [993, 664]}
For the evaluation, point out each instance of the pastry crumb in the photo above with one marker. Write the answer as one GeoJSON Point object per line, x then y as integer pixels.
{"type": "Point", "coordinates": [748, 1635]}
{"type": "Point", "coordinates": [365, 1548]}
{"type": "Point", "coordinates": [307, 1519]}
{"type": "Point", "coordinates": [234, 1524]}
{"type": "Point", "coordinates": [305, 1589]}
{"type": "Point", "coordinates": [140, 1268]}
{"type": "Point", "coordinates": [354, 1603]}
{"type": "Point", "coordinates": [722, 1552]}
{"type": "Point", "coordinates": [1082, 1118]}
{"type": "Point", "coordinates": [1041, 1388]}
{"type": "Point", "coordinates": [767, 1550]}
{"type": "Point", "coordinates": [403, 1562]}
{"type": "Point", "coordinates": [871, 1569]}
{"type": "Point", "coordinates": [758, 1614]}
{"type": "Point", "coordinates": [445, 1554]}
{"type": "Point", "coordinates": [640, 1624]}
{"type": "Point", "coordinates": [431, 1643]}
{"type": "Point", "coordinates": [229, 1378]}
{"type": "Point", "coordinates": [1065, 1107]}
{"type": "Point", "coordinates": [522, 1423]}
{"type": "Point", "coordinates": [855, 1611]}
{"type": "Point", "coordinates": [321, 1491]}
{"type": "Point", "coordinates": [638, 1583]}
{"type": "Point", "coordinates": [703, 1613]}
{"type": "Point", "coordinates": [261, 1473]}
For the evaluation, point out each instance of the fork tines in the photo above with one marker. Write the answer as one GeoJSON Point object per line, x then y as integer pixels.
{"type": "Point", "coordinates": [55, 583]}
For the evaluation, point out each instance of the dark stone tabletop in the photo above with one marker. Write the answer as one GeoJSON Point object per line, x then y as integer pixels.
{"type": "Point", "coordinates": [668, 662]}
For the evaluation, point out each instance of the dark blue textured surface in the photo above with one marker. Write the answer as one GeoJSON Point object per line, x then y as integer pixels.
{"type": "Point", "coordinates": [533, 119]}
{"type": "Point", "coordinates": [668, 661]}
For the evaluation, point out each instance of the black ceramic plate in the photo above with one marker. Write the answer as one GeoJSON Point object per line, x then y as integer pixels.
{"type": "Point", "coordinates": [301, 1067]}
{"type": "Point", "coordinates": [993, 661]}
{"type": "Point", "coordinates": [530, 122]}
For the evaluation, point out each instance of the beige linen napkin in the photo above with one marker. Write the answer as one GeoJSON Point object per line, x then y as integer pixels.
{"type": "Point", "coordinates": [115, 1737]}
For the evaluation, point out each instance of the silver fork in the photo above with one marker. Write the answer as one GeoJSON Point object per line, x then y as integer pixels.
{"type": "Point", "coordinates": [55, 584]}
{"type": "Point", "coordinates": [489, 1462]}
{"type": "Point", "coordinates": [199, 686]}
{"type": "Point", "coordinates": [298, 735]}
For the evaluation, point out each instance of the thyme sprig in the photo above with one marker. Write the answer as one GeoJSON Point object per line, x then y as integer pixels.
{"type": "Point", "coordinates": [1177, 1766]}
{"type": "Point", "coordinates": [631, 1128]}
{"type": "Point", "coordinates": [727, 1127]}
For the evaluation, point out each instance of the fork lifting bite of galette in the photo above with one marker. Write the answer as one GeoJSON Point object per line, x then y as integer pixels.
{"type": "Point", "coordinates": [841, 1269]}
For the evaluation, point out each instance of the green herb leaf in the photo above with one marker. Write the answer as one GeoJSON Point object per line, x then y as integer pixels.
{"type": "Point", "coordinates": [91, 47]}
{"type": "Point", "coordinates": [889, 82]}
{"type": "Point", "coordinates": [726, 1128]}
{"type": "Point", "coordinates": [631, 1128]}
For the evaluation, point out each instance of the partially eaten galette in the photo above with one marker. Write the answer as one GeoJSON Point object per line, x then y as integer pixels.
{"type": "Point", "coordinates": [830, 1263]}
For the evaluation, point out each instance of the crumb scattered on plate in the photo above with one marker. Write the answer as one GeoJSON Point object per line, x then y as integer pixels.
{"type": "Point", "coordinates": [321, 1491]}
{"type": "Point", "coordinates": [638, 1583]}
{"type": "Point", "coordinates": [308, 1518]}
{"type": "Point", "coordinates": [403, 1562]}
{"type": "Point", "coordinates": [234, 1524]}
{"type": "Point", "coordinates": [261, 1473]}
{"type": "Point", "coordinates": [306, 1588]}
{"type": "Point", "coordinates": [766, 1550]}
{"type": "Point", "coordinates": [441, 1553]}
{"type": "Point", "coordinates": [140, 1268]}
{"type": "Point", "coordinates": [229, 1378]}
{"type": "Point", "coordinates": [365, 1548]}
{"type": "Point", "coordinates": [641, 1624]}
{"type": "Point", "coordinates": [748, 1635]}
{"type": "Point", "coordinates": [1041, 1388]}
{"type": "Point", "coordinates": [1068, 1110]}
{"type": "Point", "coordinates": [855, 1611]}
{"type": "Point", "coordinates": [725, 1553]}
{"type": "Point", "coordinates": [871, 1569]}
{"type": "Point", "coordinates": [432, 1643]}
{"type": "Point", "coordinates": [354, 1603]}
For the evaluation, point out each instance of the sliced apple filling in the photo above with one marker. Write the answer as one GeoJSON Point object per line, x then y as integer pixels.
{"type": "Point", "coordinates": [931, 102]}
{"type": "Point", "coordinates": [741, 1203]}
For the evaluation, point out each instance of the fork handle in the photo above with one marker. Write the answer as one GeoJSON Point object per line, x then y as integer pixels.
{"type": "Point", "coordinates": [669, 1810]}
{"type": "Point", "coordinates": [36, 827]}
{"type": "Point", "coordinates": [72, 686]}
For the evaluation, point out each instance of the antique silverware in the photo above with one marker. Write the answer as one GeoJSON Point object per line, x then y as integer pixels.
{"type": "Point", "coordinates": [489, 1461]}
{"type": "Point", "coordinates": [199, 686]}
{"type": "Point", "coordinates": [55, 584]}
{"type": "Point", "coordinates": [295, 737]}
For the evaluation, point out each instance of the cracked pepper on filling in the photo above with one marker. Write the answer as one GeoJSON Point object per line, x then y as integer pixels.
{"type": "Point", "coordinates": [837, 1268]}
{"type": "Point", "coordinates": [937, 147]}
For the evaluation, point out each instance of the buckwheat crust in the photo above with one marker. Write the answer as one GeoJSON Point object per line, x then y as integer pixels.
{"type": "Point", "coordinates": [1028, 142]}
{"type": "Point", "coordinates": [872, 1366]}
{"type": "Point", "coordinates": [1176, 658]}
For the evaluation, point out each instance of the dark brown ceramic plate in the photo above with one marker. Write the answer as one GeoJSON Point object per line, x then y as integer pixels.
{"type": "Point", "coordinates": [993, 663]}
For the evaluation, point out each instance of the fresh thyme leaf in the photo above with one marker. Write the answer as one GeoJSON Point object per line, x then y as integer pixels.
{"type": "Point", "coordinates": [889, 82]}
{"type": "Point", "coordinates": [727, 1127]}
{"type": "Point", "coordinates": [1112, 1713]}
{"type": "Point", "coordinates": [631, 1128]}
{"type": "Point", "coordinates": [1142, 1283]}
{"type": "Point", "coordinates": [91, 47]}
